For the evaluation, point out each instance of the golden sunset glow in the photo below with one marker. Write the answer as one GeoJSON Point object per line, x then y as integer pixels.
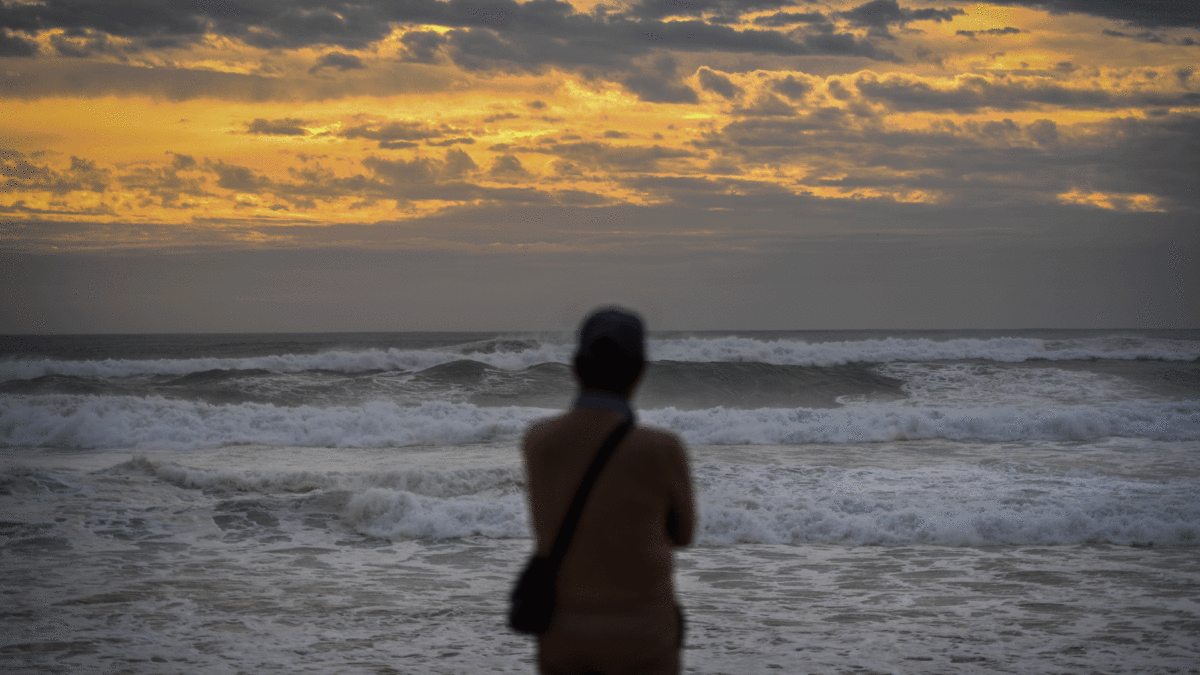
{"type": "Point", "coordinates": [265, 128]}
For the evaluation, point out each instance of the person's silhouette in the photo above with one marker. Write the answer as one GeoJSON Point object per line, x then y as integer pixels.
{"type": "Point", "coordinates": [616, 610]}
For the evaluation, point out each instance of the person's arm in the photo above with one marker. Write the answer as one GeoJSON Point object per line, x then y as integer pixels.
{"type": "Point", "coordinates": [681, 512]}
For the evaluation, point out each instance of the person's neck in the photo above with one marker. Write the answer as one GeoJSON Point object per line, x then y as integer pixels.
{"type": "Point", "coordinates": [603, 400]}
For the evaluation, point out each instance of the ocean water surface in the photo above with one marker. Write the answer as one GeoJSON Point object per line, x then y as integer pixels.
{"type": "Point", "coordinates": [870, 501]}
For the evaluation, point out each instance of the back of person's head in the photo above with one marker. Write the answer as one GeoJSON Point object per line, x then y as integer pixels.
{"type": "Point", "coordinates": [612, 350]}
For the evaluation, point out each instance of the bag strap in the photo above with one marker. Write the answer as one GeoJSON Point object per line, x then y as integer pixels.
{"type": "Point", "coordinates": [566, 531]}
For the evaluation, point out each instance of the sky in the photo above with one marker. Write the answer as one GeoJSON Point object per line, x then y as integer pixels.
{"type": "Point", "coordinates": [381, 165]}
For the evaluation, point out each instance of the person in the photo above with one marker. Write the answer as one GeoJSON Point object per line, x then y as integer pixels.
{"type": "Point", "coordinates": [616, 610]}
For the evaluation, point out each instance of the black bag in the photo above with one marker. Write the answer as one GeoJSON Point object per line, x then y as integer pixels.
{"type": "Point", "coordinates": [532, 599]}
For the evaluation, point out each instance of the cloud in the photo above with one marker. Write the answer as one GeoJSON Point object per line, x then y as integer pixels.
{"type": "Point", "coordinates": [969, 93]}
{"type": "Point", "coordinates": [877, 15]}
{"type": "Point", "coordinates": [396, 134]}
{"type": "Point", "coordinates": [718, 83]}
{"type": "Point", "coordinates": [1043, 132]}
{"type": "Point", "coordinates": [658, 89]}
{"type": "Point", "coordinates": [766, 105]}
{"type": "Point", "coordinates": [339, 61]}
{"type": "Point", "coordinates": [423, 46]}
{"type": "Point", "coordinates": [138, 20]}
{"type": "Point", "coordinates": [505, 34]}
{"type": "Point", "coordinates": [237, 178]}
{"type": "Point", "coordinates": [458, 163]}
{"type": "Point", "coordinates": [84, 45]}
{"type": "Point", "coordinates": [609, 157]}
{"type": "Point", "coordinates": [661, 85]}
{"type": "Point", "coordinates": [12, 45]}
{"type": "Point", "coordinates": [165, 183]}
{"type": "Point", "coordinates": [288, 126]}
{"type": "Point", "coordinates": [726, 10]}
{"type": "Point", "coordinates": [1150, 14]}
{"type": "Point", "coordinates": [22, 172]}
{"type": "Point", "coordinates": [1151, 37]}
{"type": "Point", "coordinates": [846, 44]}
{"type": "Point", "coordinates": [1007, 30]}
{"type": "Point", "coordinates": [986, 164]}
{"type": "Point", "coordinates": [780, 19]}
{"type": "Point", "coordinates": [507, 166]}
{"type": "Point", "coordinates": [791, 87]}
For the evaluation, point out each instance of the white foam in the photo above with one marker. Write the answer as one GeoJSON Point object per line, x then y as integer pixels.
{"type": "Point", "coordinates": [694, 349]}
{"type": "Point", "coordinates": [414, 503]}
{"type": "Point", "coordinates": [888, 350]}
{"type": "Point", "coordinates": [401, 514]}
{"type": "Point", "coordinates": [874, 422]}
{"type": "Point", "coordinates": [68, 421]}
{"type": "Point", "coordinates": [420, 480]}
{"type": "Point", "coordinates": [965, 385]}
{"type": "Point", "coordinates": [958, 505]}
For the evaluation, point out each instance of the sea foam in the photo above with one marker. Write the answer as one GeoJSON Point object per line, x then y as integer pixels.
{"type": "Point", "coordinates": [68, 421]}
{"type": "Point", "coordinates": [693, 349]}
{"type": "Point", "coordinates": [996, 503]}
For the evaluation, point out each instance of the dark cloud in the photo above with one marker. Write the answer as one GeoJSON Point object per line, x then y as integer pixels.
{"type": "Point", "coordinates": [718, 83]}
{"type": "Point", "coordinates": [846, 44]}
{"type": "Point", "coordinates": [766, 105]}
{"type": "Point", "coordinates": [82, 46]}
{"type": "Point", "coordinates": [1042, 132]}
{"type": "Point", "coordinates": [458, 163]}
{"type": "Point", "coordinates": [975, 92]}
{"type": "Point", "coordinates": [790, 87]}
{"type": "Point", "coordinates": [423, 46]}
{"type": "Point", "coordinates": [404, 180]}
{"type": "Point", "coordinates": [139, 19]}
{"type": "Point", "coordinates": [1007, 30]}
{"type": "Point", "coordinates": [288, 126]}
{"type": "Point", "coordinates": [780, 19]}
{"type": "Point", "coordinates": [989, 164]}
{"type": "Point", "coordinates": [608, 157]}
{"type": "Point", "coordinates": [507, 166]}
{"type": "Point", "coordinates": [237, 178]}
{"type": "Point", "coordinates": [23, 172]}
{"type": "Point", "coordinates": [613, 46]}
{"type": "Point", "coordinates": [879, 14]}
{"type": "Point", "coordinates": [165, 184]}
{"type": "Point", "coordinates": [463, 140]}
{"type": "Point", "coordinates": [498, 34]}
{"type": "Point", "coordinates": [500, 117]}
{"type": "Point", "coordinates": [396, 135]}
{"type": "Point", "coordinates": [661, 85]}
{"type": "Point", "coordinates": [13, 45]}
{"type": "Point", "coordinates": [94, 79]}
{"type": "Point", "coordinates": [1150, 13]}
{"type": "Point", "coordinates": [339, 61]}
{"type": "Point", "coordinates": [657, 89]}
{"type": "Point", "coordinates": [721, 9]}
{"type": "Point", "coordinates": [417, 171]}
{"type": "Point", "coordinates": [1151, 37]}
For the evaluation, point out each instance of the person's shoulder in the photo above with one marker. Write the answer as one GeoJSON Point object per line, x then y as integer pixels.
{"type": "Point", "coordinates": [541, 427]}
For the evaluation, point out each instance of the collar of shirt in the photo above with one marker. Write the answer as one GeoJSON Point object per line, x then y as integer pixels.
{"type": "Point", "coordinates": [603, 400]}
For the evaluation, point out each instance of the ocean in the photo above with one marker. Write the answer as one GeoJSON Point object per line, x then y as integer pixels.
{"type": "Point", "coordinates": [870, 501]}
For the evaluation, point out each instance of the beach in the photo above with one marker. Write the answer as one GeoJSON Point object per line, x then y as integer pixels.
{"type": "Point", "coordinates": [869, 503]}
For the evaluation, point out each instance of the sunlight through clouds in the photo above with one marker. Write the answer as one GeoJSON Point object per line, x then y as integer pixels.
{"type": "Point", "coordinates": [225, 125]}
